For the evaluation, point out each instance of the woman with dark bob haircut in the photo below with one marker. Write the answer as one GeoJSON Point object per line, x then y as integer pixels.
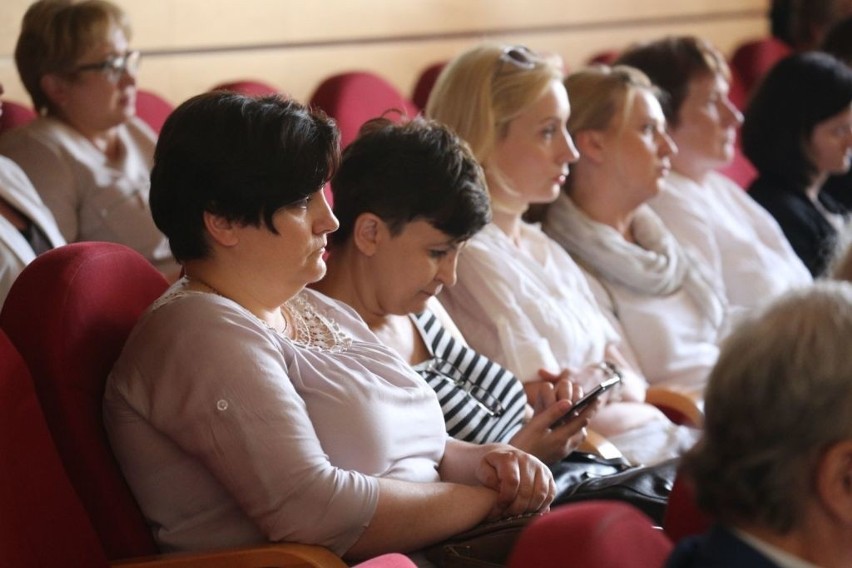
{"type": "Point", "coordinates": [246, 408]}
{"type": "Point", "coordinates": [797, 132]}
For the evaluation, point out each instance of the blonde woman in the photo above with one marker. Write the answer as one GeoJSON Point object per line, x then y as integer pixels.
{"type": "Point", "coordinates": [520, 299]}
{"type": "Point", "coordinates": [645, 282]}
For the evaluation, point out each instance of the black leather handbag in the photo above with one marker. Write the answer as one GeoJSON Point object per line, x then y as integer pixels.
{"type": "Point", "coordinates": [581, 477]}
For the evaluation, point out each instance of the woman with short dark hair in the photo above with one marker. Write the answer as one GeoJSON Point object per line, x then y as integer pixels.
{"type": "Point", "coordinates": [797, 132]}
{"type": "Point", "coordinates": [245, 408]}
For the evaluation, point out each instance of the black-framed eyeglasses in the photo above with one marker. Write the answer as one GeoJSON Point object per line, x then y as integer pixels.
{"type": "Point", "coordinates": [445, 370]}
{"type": "Point", "coordinates": [114, 67]}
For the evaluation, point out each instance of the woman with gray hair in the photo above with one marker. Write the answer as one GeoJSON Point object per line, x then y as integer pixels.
{"type": "Point", "coordinates": [774, 466]}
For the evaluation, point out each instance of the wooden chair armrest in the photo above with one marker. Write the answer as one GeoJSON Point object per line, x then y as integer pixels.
{"type": "Point", "coordinates": [680, 407]}
{"type": "Point", "coordinates": [597, 444]}
{"type": "Point", "coordinates": [265, 556]}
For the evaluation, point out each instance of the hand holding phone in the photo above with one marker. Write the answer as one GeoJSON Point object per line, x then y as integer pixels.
{"type": "Point", "coordinates": [591, 396]}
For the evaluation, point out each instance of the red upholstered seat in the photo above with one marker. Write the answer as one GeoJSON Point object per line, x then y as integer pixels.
{"type": "Point", "coordinates": [14, 115]}
{"type": "Point", "coordinates": [683, 517]}
{"type": "Point", "coordinates": [69, 314]}
{"type": "Point", "coordinates": [251, 87]}
{"type": "Point", "coordinates": [353, 98]}
{"type": "Point", "coordinates": [593, 533]}
{"type": "Point", "coordinates": [152, 108]}
{"type": "Point", "coordinates": [424, 84]}
{"type": "Point", "coordinates": [42, 522]}
{"type": "Point", "coordinates": [752, 59]}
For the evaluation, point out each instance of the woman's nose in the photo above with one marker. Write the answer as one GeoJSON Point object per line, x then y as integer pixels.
{"type": "Point", "coordinates": [570, 153]}
{"type": "Point", "coordinates": [326, 222]}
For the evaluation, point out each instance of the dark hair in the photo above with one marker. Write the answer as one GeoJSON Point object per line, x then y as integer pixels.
{"type": "Point", "coordinates": [239, 157]}
{"type": "Point", "coordinates": [797, 94]}
{"type": "Point", "coordinates": [402, 172]}
{"type": "Point", "coordinates": [838, 40]}
{"type": "Point", "coordinates": [672, 63]}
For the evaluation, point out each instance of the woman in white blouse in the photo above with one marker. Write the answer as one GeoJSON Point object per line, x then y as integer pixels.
{"type": "Point", "coordinates": [646, 282]}
{"type": "Point", "coordinates": [520, 299]}
{"type": "Point", "coordinates": [738, 242]}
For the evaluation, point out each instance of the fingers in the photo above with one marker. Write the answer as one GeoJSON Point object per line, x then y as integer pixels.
{"type": "Point", "coordinates": [549, 377]}
{"type": "Point", "coordinates": [536, 491]}
{"type": "Point", "coordinates": [525, 485]}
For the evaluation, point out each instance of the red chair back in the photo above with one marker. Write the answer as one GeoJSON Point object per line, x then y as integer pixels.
{"type": "Point", "coordinates": [354, 98]}
{"type": "Point", "coordinates": [752, 59]}
{"type": "Point", "coordinates": [250, 87]}
{"type": "Point", "coordinates": [592, 533]}
{"type": "Point", "coordinates": [43, 523]}
{"type": "Point", "coordinates": [424, 84]}
{"type": "Point", "coordinates": [15, 115]}
{"type": "Point", "coordinates": [153, 109]}
{"type": "Point", "coordinates": [69, 313]}
{"type": "Point", "coordinates": [683, 517]}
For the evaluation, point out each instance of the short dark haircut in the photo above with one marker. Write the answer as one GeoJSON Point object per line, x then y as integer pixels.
{"type": "Point", "coordinates": [239, 157]}
{"type": "Point", "coordinates": [405, 172]}
{"type": "Point", "coordinates": [797, 94]}
{"type": "Point", "coordinates": [672, 63]}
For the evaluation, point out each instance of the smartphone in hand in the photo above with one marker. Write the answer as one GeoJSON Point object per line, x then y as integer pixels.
{"type": "Point", "coordinates": [588, 399]}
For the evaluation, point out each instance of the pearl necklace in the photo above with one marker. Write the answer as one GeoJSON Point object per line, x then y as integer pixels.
{"type": "Point", "coordinates": [282, 331]}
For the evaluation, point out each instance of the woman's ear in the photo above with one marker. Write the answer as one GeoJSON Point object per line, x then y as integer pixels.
{"type": "Point", "coordinates": [368, 233]}
{"type": "Point", "coordinates": [834, 481]}
{"type": "Point", "coordinates": [590, 144]}
{"type": "Point", "coordinates": [221, 230]}
{"type": "Point", "coordinates": [56, 89]}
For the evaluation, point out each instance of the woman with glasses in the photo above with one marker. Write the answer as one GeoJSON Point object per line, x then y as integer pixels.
{"type": "Point", "coordinates": [520, 299]}
{"type": "Point", "coordinates": [87, 154]}
{"type": "Point", "coordinates": [408, 198]}
{"type": "Point", "coordinates": [646, 283]}
{"type": "Point", "coordinates": [245, 408]}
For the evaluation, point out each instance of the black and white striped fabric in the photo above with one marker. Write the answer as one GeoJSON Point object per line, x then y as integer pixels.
{"type": "Point", "coordinates": [466, 420]}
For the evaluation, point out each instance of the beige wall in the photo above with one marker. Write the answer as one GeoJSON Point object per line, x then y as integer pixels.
{"type": "Point", "coordinates": [190, 45]}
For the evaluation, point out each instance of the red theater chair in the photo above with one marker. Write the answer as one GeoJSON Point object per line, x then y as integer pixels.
{"type": "Point", "coordinates": [599, 534]}
{"type": "Point", "coordinates": [69, 314]}
{"type": "Point", "coordinates": [355, 97]}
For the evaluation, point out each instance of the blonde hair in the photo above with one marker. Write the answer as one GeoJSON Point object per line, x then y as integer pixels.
{"type": "Point", "coordinates": [479, 92]}
{"type": "Point", "coordinates": [56, 33]}
{"type": "Point", "coordinates": [598, 93]}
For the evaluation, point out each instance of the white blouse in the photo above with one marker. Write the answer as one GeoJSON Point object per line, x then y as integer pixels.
{"type": "Point", "coordinates": [527, 307]}
{"type": "Point", "coordinates": [15, 251]}
{"type": "Point", "coordinates": [739, 242]}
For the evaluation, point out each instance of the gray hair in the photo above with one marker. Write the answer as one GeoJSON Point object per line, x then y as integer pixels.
{"type": "Point", "coordinates": [779, 395]}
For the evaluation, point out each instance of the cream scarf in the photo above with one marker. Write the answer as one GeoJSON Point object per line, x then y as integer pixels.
{"type": "Point", "coordinates": [658, 266]}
